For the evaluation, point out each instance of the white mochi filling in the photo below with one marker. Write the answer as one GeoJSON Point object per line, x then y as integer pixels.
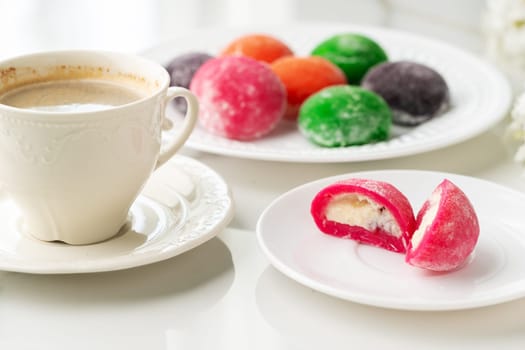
{"type": "Point", "coordinates": [428, 218]}
{"type": "Point", "coordinates": [356, 210]}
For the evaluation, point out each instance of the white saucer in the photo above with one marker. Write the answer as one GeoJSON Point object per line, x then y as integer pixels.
{"type": "Point", "coordinates": [183, 205]}
{"type": "Point", "coordinates": [369, 275]}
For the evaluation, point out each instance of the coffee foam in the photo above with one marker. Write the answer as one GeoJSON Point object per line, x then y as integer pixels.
{"type": "Point", "coordinates": [14, 77]}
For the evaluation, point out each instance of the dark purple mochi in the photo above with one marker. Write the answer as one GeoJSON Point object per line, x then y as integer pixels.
{"type": "Point", "coordinates": [182, 69]}
{"type": "Point", "coordinates": [414, 92]}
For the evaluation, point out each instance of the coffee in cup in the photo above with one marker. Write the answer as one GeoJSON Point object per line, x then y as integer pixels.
{"type": "Point", "coordinates": [76, 95]}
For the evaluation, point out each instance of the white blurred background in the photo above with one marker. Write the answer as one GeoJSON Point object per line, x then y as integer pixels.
{"type": "Point", "coordinates": [134, 25]}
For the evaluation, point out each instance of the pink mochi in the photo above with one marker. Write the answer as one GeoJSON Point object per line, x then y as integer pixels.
{"type": "Point", "coordinates": [240, 98]}
{"type": "Point", "coordinates": [368, 211]}
{"type": "Point", "coordinates": [447, 230]}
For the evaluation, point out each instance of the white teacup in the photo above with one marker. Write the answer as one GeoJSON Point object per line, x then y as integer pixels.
{"type": "Point", "coordinates": [74, 174]}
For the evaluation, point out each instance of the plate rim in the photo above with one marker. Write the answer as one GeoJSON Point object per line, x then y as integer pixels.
{"type": "Point", "coordinates": [499, 109]}
{"type": "Point", "coordinates": [381, 301]}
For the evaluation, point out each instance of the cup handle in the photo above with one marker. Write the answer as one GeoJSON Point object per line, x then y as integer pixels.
{"type": "Point", "coordinates": [190, 120]}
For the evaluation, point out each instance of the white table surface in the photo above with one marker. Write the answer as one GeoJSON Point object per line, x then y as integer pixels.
{"type": "Point", "coordinates": [225, 295]}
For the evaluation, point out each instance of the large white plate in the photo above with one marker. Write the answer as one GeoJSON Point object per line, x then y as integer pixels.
{"type": "Point", "coordinates": [183, 205]}
{"type": "Point", "coordinates": [480, 96]}
{"type": "Point", "coordinates": [369, 275]}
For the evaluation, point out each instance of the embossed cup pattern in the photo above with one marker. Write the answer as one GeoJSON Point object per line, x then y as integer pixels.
{"type": "Point", "coordinates": [74, 177]}
{"type": "Point", "coordinates": [84, 177]}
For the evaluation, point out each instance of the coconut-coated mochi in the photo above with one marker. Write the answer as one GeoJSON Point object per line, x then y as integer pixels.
{"type": "Point", "coordinates": [367, 211]}
{"type": "Point", "coordinates": [447, 230]}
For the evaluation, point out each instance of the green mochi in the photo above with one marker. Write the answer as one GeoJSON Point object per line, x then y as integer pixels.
{"type": "Point", "coordinates": [355, 54]}
{"type": "Point", "coordinates": [345, 115]}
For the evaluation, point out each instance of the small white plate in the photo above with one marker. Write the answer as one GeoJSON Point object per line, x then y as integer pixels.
{"type": "Point", "coordinates": [369, 275]}
{"type": "Point", "coordinates": [183, 205]}
{"type": "Point", "coordinates": [480, 96]}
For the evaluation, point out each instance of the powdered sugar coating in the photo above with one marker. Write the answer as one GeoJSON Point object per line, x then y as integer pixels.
{"type": "Point", "coordinates": [452, 233]}
{"type": "Point", "coordinates": [240, 98]}
{"type": "Point", "coordinates": [384, 196]}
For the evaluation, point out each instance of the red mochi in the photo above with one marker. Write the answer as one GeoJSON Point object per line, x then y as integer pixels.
{"type": "Point", "coordinates": [368, 211]}
{"type": "Point", "coordinates": [240, 98]}
{"type": "Point", "coordinates": [448, 230]}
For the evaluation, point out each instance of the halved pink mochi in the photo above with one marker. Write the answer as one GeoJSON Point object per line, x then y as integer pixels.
{"type": "Point", "coordinates": [368, 211]}
{"type": "Point", "coordinates": [447, 230]}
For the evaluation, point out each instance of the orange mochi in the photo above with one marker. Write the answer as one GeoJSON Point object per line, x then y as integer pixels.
{"type": "Point", "coordinates": [304, 76]}
{"type": "Point", "coordinates": [260, 47]}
